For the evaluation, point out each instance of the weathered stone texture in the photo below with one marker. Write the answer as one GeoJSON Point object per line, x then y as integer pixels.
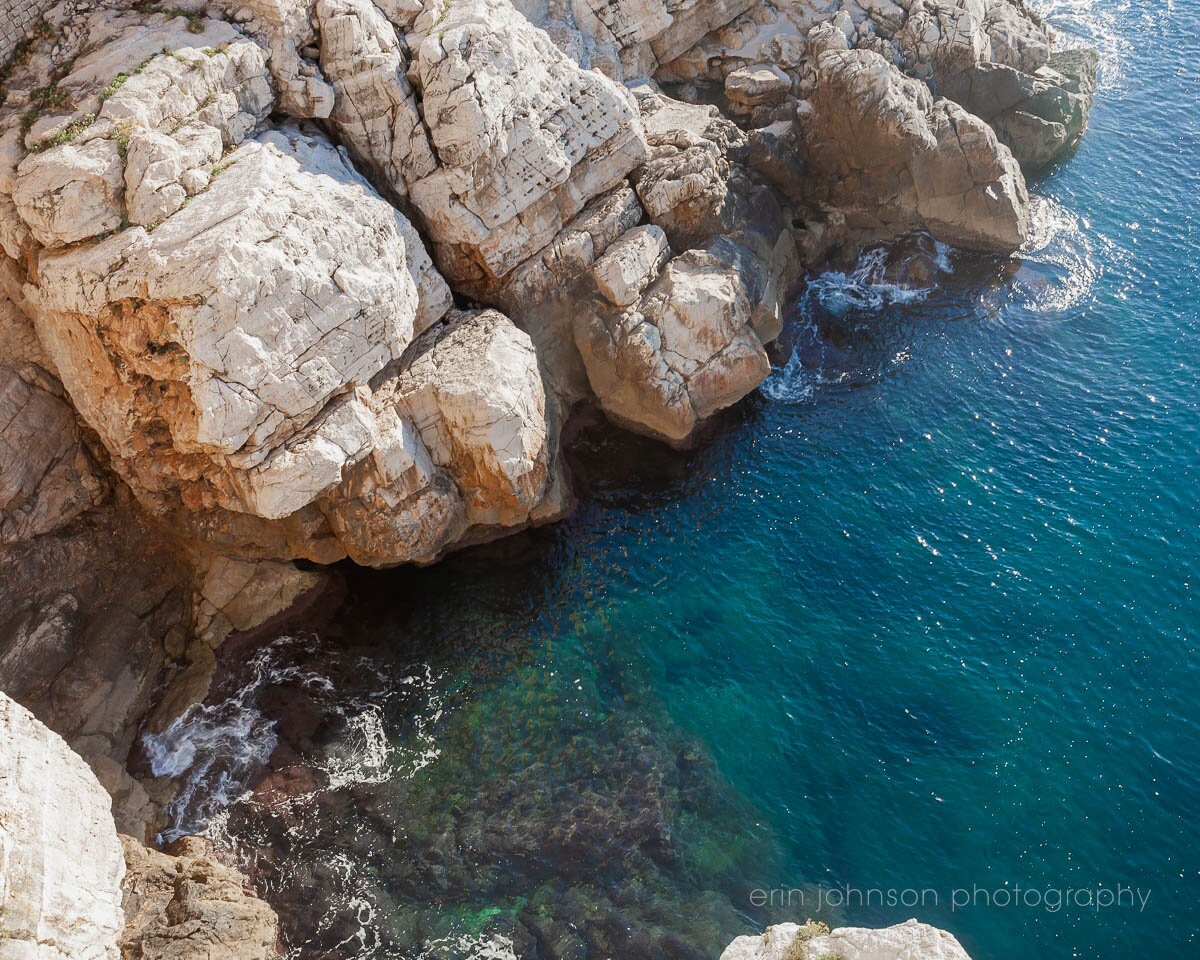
{"type": "Point", "coordinates": [18, 18]}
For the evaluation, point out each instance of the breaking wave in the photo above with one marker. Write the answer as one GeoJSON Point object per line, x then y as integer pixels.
{"type": "Point", "coordinates": [837, 296]}
{"type": "Point", "coordinates": [218, 753]}
{"type": "Point", "coordinates": [214, 749]}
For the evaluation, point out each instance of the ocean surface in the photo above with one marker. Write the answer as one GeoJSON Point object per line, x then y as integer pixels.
{"type": "Point", "coordinates": [914, 631]}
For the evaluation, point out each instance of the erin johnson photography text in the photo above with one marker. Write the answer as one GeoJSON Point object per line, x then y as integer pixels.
{"type": "Point", "coordinates": [1052, 899]}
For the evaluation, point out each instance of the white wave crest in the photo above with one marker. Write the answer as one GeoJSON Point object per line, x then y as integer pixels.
{"type": "Point", "coordinates": [863, 290]}
{"type": "Point", "coordinates": [1061, 261]}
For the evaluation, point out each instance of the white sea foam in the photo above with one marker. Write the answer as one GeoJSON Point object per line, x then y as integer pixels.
{"type": "Point", "coordinates": [791, 383]}
{"type": "Point", "coordinates": [1087, 23]}
{"type": "Point", "coordinates": [213, 749]}
{"type": "Point", "coordinates": [863, 290]}
{"type": "Point", "coordinates": [1062, 260]}
{"type": "Point", "coordinates": [216, 750]}
{"type": "Point", "coordinates": [493, 947]}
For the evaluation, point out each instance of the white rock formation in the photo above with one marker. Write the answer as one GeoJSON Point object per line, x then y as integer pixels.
{"type": "Point", "coordinates": [524, 138]}
{"type": "Point", "coordinates": [374, 112]}
{"type": "Point", "coordinates": [683, 352]}
{"type": "Point", "coordinates": [475, 394]}
{"type": "Point", "coordinates": [61, 864]}
{"type": "Point", "coordinates": [631, 263]}
{"type": "Point", "coordinates": [904, 941]}
{"type": "Point", "coordinates": [241, 325]}
{"type": "Point", "coordinates": [232, 307]}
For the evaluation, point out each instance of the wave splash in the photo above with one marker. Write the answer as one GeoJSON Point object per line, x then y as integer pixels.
{"type": "Point", "coordinates": [219, 754]}
{"type": "Point", "coordinates": [214, 749]}
{"type": "Point", "coordinates": [877, 282]}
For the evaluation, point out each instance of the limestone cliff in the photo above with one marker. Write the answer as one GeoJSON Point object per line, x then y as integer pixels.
{"type": "Point", "coordinates": [71, 889]}
{"type": "Point", "coordinates": [230, 298]}
{"type": "Point", "coordinates": [323, 279]}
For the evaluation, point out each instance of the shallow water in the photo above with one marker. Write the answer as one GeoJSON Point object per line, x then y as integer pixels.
{"type": "Point", "coordinates": [921, 615]}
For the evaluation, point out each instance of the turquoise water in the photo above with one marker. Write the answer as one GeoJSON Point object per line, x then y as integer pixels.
{"type": "Point", "coordinates": [929, 601]}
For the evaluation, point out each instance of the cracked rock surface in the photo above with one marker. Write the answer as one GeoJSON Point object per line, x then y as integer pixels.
{"type": "Point", "coordinates": [325, 279]}
{"type": "Point", "coordinates": [186, 904]}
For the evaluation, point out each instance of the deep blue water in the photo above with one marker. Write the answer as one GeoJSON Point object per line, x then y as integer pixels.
{"type": "Point", "coordinates": [931, 600]}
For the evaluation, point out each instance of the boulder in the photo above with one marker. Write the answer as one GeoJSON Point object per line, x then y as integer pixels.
{"type": "Point", "coordinates": [60, 863]}
{"type": "Point", "coordinates": [683, 352]}
{"type": "Point", "coordinates": [1040, 116]}
{"type": "Point", "coordinates": [470, 445]}
{"type": "Point", "coordinates": [187, 904]}
{"type": "Point", "coordinates": [904, 941]}
{"type": "Point", "coordinates": [631, 263]}
{"type": "Point", "coordinates": [994, 57]}
{"type": "Point", "coordinates": [474, 392]}
{"type": "Point", "coordinates": [894, 159]}
{"type": "Point", "coordinates": [72, 192]}
{"type": "Point", "coordinates": [542, 293]}
{"type": "Point", "coordinates": [814, 941]}
{"type": "Point", "coordinates": [756, 86]}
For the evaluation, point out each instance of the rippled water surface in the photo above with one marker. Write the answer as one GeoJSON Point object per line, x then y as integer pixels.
{"type": "Point", "coordinates": [922, 614]}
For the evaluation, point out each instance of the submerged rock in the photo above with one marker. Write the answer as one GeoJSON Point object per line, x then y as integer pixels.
{"type": "Point", "coordinates": [531, 807]}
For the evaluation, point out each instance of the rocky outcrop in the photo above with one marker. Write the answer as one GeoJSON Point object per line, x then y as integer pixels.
{"type": "Point", "coordinates": [657, 300]}
{"type": "Point", "coordinates": [228, 302]}
{"type": "Point", "coordinates": [71, 889]}
{"type": "Point", "coordinates": [249, 344]}
{"type": "Point", "coordinates": [814, 941]}
{"type": "Point", "coordinates": [966, 50]}
{"type": "Point", "coordinates": [60, 863]}
{"type": "Point", "coordinates": [221, 339]}
{"type": "Point", "coordinates": [217, 356]}
{"type": "Point", "coordinates": [187, 905]}
{"type": "Point", "coordinates": [683, 352]}
{"type": "Point", "coordinates": [1040, 115]}
{"type": "Point", "coordinates": [892, 159]}
{"type": "Point", "coordinates": [472, 445]}
{"type": "Point", "coordinates": [524, 138]}
{"type": "Point", "coordinates": [374, 111]}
